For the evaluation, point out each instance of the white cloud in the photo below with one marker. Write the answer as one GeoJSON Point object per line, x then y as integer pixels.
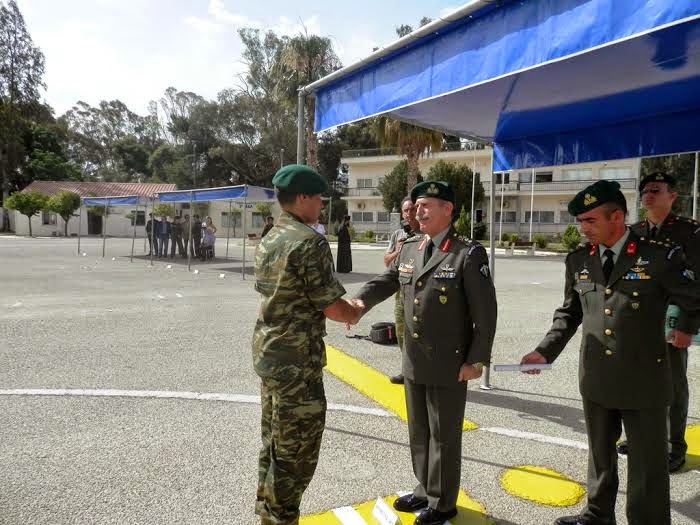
{"type": "Point", "coordinates": [218, 10]}
{"type": "Point", "coordinates": [203, 25]}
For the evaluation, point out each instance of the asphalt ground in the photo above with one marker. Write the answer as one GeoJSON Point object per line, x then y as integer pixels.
{"type": "Point", "coordinates": [140, 447]}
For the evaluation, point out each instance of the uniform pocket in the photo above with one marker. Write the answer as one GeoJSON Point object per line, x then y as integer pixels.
{"type": "Point", "coordinates": [405, 278]}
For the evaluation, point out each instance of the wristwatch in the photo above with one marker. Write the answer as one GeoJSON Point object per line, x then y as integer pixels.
{"type": "Point", "coordinates": [478, 366]}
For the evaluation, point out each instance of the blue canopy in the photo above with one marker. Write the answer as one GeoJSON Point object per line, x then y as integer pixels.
{"type": "Point", "coordinates": [132, 200]}
{"type": "Point", "coordinates": [547, 81]}
{"type": "Point", "coordinates": [229, 193]}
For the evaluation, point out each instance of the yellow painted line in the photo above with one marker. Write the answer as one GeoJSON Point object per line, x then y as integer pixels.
{"type": "Point", "coordinates": [469, 512]}
{"type": "Point", "coordinates": [692, 437]}
{"type": "Point", "coordinates": [372, 383]}
{"type": "Point", "coordinates": [541, 485]}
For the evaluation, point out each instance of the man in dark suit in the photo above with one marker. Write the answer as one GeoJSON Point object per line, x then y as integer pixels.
{"type": "Point", "coordinates": [450, 322]}
{"type": "Point", "coordinates": [618, 286]}
{"type": "Point", "coordinates": [658, 194]}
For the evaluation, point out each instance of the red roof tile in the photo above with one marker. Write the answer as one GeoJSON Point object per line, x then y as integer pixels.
{"type": "Point", "coordinates": [100, 189]}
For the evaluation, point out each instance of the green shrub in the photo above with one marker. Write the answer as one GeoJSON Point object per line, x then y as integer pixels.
{"type": "Point", "coordinates": [571, 238]}
{"type": "Point", "coordinates": [369, 234]}
{"type": "Point", "coordinates": [462, 225]}
{"type": "Point", "coordinates": [505, 237]}
{"type": "Point", "coordinates": [541, 241]}
{"type": "Point", "coordinates": [514, 237]}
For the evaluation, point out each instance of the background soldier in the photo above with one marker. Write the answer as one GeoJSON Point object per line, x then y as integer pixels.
{"type": "Point", "coordinates": [294, 273]}
{"type": "Point", "coordinates": [658, 195]}
{"type": "Point", "coordinates": [450, 322]}
{"type": "Point", "coordinates": [618, 286]}
{"type": "Point", "coordinates": [409, 228]}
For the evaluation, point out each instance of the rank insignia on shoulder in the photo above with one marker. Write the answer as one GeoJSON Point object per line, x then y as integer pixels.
{"type": "Point", "coordinates": [484, 270]}
{"type": "Point", "coordinates": [672, 252]}
{"type": "Point", "coordinates": [689, 274]}
{"type": "Point", "coordinates": [322, 242]}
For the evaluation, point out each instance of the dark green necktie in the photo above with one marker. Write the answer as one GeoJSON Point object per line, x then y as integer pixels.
{"type": "Point", "coordinates": [609, 264]}
{"type": "Point", "coordinates": [652, 232]}
{"type": "Point", "coordinates": [428, 251]}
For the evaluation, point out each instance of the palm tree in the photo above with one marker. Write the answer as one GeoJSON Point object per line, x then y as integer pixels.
{"type": "Point", "coordinates": [308, 58]}
{"type": "Point", "coordinates": [412, 141]}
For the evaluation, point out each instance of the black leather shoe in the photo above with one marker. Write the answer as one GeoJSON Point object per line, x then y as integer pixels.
{"type": "Point", "coordinates": [397, 379]}
{"type": "Point", "coordinates": [432, 516]}
{"type": "Point", "coordinates": [409, 503]}
{"type": "Point", "coordinates": [675, 463]}
{"type": "Point", "coordinates": [580, 520]}
{"type": "Point", "coordinates": [623, 448]}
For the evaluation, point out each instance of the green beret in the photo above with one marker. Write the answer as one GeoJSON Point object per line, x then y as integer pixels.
{"type": "Point", "coordinates": [596, 194]}
{"type": "Point", "coordinates": [433, 188]}
{"type": "Point", "coordinates": [299, 179]}
{"type": "Point", "coordinates": [657, 176]}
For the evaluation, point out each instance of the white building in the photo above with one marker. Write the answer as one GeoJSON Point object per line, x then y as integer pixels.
{"type": "Point", "coordinates": [553, 189]}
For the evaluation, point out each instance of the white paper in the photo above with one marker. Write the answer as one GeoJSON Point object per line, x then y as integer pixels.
{"type": "Point", "coordinates": [383, 513]}
{"type": "Point", "coordinates": [521, 367]}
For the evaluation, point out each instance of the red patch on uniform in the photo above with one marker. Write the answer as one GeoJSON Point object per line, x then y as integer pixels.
{"type": "Point", "coordinates": [445, 244]}
{"type": "Point", "coordinates": [671, 221]}
{"type": "Point", "coordinates": [594, 247]}
{"type": "Point", "coordinates": [631, 248]}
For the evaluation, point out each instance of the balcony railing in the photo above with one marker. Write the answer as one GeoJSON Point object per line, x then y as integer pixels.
{"type": "Point", "coordinates": [562, 186]}
{"type": "Point", "coordinates": [363, 192]}
{"type": "Point", "coordinates": [377, 152]}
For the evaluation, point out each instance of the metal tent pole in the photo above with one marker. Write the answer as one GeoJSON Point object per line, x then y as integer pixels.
{"type": "Point", "coordinates": [471, 212]}
{"type": "Point", "coordinates": [228, 231]}
{"type": "Point", "coordinates": [133, 238]}
{"type": "Point", "coordinates": [104, 229]}
{"type": "Point", "coordinates": [500, 219]}
{"type": "Point", "coordinates": [695, 188]}
{"type": "Point", "coordinates": [191, 243]}
{"type": "Point", "coordinates": [300, 128]}
{"type": "Point", "coordinates": [245, 234]}
{"type": "Point", "coordinates": [486, 373]}
{"type": "Point", "coordinates": [532, 201]}
{"type": "Point", "coordinates": [80, 220]}
{"type": "Point", "coordinates": [153, 228]}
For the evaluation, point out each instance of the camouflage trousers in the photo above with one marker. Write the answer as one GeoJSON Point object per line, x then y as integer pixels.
{"type": "Point", "coordinates": [293, 419]}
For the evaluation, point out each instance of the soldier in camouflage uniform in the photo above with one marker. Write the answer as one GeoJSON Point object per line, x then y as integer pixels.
{"type": "Point", "coordinates": [617, 287]}
{"type": "Point", "coordinates": [658, 195]}
{"type": "Point", "coordinates": [298, 290]}
{"type": "Point", "coordinates": [410, 227]}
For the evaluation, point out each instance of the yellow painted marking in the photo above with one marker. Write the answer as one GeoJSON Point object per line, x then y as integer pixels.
{"type": "Point", "coordinates": [469, 512]}
{"type": "Point", "coordinates": [372, 383]}
{"type": "Point", "coordinates": [692, 437]}
{"type": "Point", "coordinates": [541, 485]}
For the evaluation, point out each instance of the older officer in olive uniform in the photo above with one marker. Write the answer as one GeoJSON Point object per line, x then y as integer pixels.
{"type": "Point", "coordinates": [298, 290]}
{"type": "Point", "coordinates": [658, 195]}
{"type": "Point", "coordinates": [618, 286]}
{"type": "Point", "coordinates": [450, 321]}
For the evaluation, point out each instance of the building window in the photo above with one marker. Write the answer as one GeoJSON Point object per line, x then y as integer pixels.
{"type": "Point", "coordinates": [543, 176]}
{"type": "Point", "coordinates": [383, 216]}
{"type": "Point", "coordinates": [237, 220]}
{"type": "Point", "coordinates": [140, 217]}
{"type": "Point", "coordinates": [615, 173]}
{"type": "Point", "coordinates": [362, 216]}
{"type": "Point", "coordinates": [525, 176]}
{"type": "Point", "coordinates": [258, 220]}
{"type": "Point", "coordinates": [546, 217]}
{"type": "Point", "coordinates": [364, 183]}
{"type": "Point", "coordinates": [582, 174]}
{"type": "Point", "coordinates": [508, 216]}
{"type": "Point", "coordinates": [48, 218]}
{"type": "Point", "coordinates": [502, 178]}
{"type": "Point", "coordinates": [566, 218]}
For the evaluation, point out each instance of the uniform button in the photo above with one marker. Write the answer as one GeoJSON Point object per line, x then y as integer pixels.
{"type": "Point", "coordinates": [444, 289]}
{"type": "Point", "coordinates": [607, 311]}
{"type": "Point", "coordinates": [659, 360]}
{"type": "Point", "coordinates": [635, 294]}
{"type": "Point", "coordinates": [415, 335]}
{"type": "Point", "coordinates": [608, 352]}
{"type": "Point", "coordinates": [416, 301]}
{"type": "Point", "coordinates": [608, 291]}
{"type": "Point", "coordinates": [415, 319]}
{"type": "Point", "coordinates": [608, 331]}
{"type": "Point", "coordinates": [419, 284]}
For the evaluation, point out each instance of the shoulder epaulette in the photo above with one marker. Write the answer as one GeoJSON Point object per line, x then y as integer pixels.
{"type": "Point", "coordinates": [415, 238]}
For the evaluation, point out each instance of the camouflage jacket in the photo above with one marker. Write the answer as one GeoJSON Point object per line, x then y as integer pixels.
{"type": "Point", "coordinates": [295, 280]}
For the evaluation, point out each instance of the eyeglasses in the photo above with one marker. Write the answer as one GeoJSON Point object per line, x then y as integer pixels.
{"type": "Point", "coordinates": [651, 190]}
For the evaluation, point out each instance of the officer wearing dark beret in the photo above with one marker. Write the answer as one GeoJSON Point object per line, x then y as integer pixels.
{"type": "Point", "coordinates": [293, 273]}
{"type": "Point", "coordinates": [449, 308]}
{"type": "Point", "coordinates": [658, 195]}
{"type": "Point", "coordinates": [617, 286]}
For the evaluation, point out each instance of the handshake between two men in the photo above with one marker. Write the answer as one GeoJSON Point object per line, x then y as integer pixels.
{"type": "Point", "coordinates": [344, 311]}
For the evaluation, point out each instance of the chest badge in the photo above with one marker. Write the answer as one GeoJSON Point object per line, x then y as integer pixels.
{"type": "Point", "coordinates": [443, 299]}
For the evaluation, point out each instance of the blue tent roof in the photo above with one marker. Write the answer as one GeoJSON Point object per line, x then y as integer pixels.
{"type": "Point", "coordinates": [547, 81]}
{"type": "Point", "coordinates": [228, 193]}
{"type": "Point", "coordinates": [132, 200]}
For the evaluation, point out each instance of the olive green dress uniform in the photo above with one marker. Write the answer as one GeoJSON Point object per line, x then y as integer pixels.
{"type": "Point", "coordinates": [624, 371]}
{"type": "Point", "coordinates": [295, 280]}
{"type": "Point", "coordinates": [450, 319]}
{"type": "Point", "coordinates": [684, 232]}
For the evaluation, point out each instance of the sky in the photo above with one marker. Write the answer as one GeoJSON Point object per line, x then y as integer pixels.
{"type": "Point", "coordinates": [133, 50]}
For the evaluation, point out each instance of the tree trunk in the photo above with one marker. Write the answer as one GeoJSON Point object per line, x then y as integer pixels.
{"type": "Point", "coordinates": [311, 139]}
{"type": "Point", "coordinates": [29, 217]}
{"type": "Point", "coordinates": [412, 176]}
{"type": "Point", "coordinates": [65, 225]}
